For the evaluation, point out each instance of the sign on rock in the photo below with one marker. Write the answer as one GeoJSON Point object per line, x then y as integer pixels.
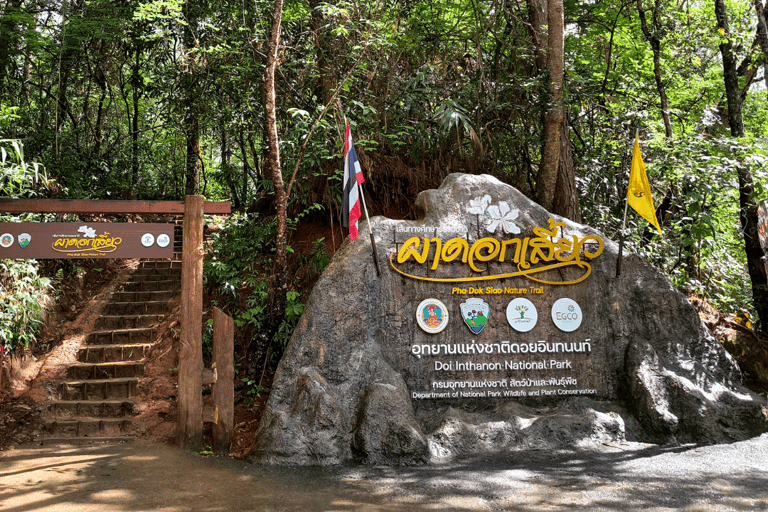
{"type": "Point", "coordinates": [498, 281]}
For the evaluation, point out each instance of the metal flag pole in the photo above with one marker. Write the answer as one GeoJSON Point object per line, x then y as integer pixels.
{"type": "Point", "coordinates": [621, 237]}
{"type": "Point", "coordinates": [370, 231]}
{"type": "Point", "coordinates": [624, 222]}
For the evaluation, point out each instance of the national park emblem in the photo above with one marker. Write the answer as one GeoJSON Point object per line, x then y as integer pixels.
{"type": "Point", "coordinates": [474, 312]}
{"type": "Point", "coordinates": [432, 316]}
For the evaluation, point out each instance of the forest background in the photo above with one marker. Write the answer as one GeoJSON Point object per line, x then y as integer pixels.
{"type": "Point", "coordinates": [245, 102]}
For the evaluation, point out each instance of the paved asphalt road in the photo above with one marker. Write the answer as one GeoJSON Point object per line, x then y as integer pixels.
{"type": "Point", "coordinates": [142, 476]}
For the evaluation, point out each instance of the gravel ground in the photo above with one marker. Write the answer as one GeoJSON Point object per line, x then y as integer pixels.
{"type": "Point", "coordinates": [141, 476]}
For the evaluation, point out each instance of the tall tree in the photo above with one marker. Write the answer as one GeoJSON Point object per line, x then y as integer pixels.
{"type": "Point", "coordinates": [756, 257]}
{"type": "Point", "coordinates": [748, 213]}
{"type": "Point", "coordinates": [71, 30]}
{"type": "Point", "coordinates": [730, 76]}
{"type": "Point", "coordinates": [325, 66]}
{"type": "Point", "coordinates": [555, 113]}
{"type": "Point", "coordinates": [653, 36]}
{"type": "Point", "coordinates": [9, 37]}
{"type": "Point", "coordinates": [762, 37]}
{"type": "Point", "coordinates": [566, 201]}
{"type": "Point", "coordinates": [537, 15]}
{"type": "Point", "coordinates": [191, 122]}
{"type": "Point", "coordinates": [273, 161]}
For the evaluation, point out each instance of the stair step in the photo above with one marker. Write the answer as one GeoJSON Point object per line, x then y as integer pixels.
{"type": "Point", "coordinates": [99, 389]}
{"type": "Point", "coordinates": [145, 265]}
{"type": "Point", "coordinates": [75, 409]}
{"type": "Point", "coordinates": [121, 336]}
{"type": "Point", "coordinates": [136, 308]}
{"type": "Point", "coordinates": [113, 353]}
{"type": "Point", "coordinates": [144, 296]}
{"type": "Point", "coordinates": [111, 322]}
{"type": "Point", "coordinates": [88, 427]}
{"type": "Point", "coordinates": [101, 371]}
{"type": "Point", "coordinates": [152, 285]}
{"type": "Point", "coordinates": [93, 403]}
{"type": "Point", "coordinates": [144, 273]}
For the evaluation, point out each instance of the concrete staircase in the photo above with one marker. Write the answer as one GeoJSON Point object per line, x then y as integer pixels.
{"type": "Point", "coordinates": [97, 398]}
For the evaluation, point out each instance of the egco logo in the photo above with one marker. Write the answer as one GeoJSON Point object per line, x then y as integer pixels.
{"type": "Point", "coordinates": [569, 314]}
{"type": "Point", "coordinates": [566, 314]}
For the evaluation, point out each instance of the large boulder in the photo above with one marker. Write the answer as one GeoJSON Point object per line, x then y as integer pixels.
{"type": "Point", "coordinates": [512, 331]}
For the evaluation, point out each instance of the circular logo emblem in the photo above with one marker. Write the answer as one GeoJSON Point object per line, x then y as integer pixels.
{"type": "Point", "coordinates": [6, 240]}
{"type": "Point", "coordinates": [522, 315]}
{"type": "Point", "coordinates": [147, 239]}
{"type": "Point", "coordinates": [432, 315]}
{"type": "Point", "coordinates": [163, 240]}
{"type": "Point", "coordinates": [24, 240]}
{"type": "Point", "coordinates": [566, 314]}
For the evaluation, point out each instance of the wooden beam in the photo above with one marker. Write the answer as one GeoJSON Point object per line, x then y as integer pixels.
{"type": "Point", "coordinates": [106, 207]}
{"type": "Point", "coordinates": [190, 404]}
{"type": "Point", "coordinates": [224, 388]}
{"type": "Point", "coordinates": [209, 376]}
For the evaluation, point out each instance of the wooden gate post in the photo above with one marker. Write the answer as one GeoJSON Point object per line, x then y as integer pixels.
{"type": "Point", "coordinates": [190, 404]}
{"type": "Point", "coordinates": [224, 387]}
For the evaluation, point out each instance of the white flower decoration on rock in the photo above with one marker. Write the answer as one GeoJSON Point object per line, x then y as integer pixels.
{"type": "Point", "coordinates": [495, 216]}
{"type": "Point", "coordinates": [502, 216]}
{"type": "Point", "coordinates": [478, 205]}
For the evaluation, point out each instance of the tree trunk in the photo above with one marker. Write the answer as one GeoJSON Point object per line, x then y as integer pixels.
{"type": "Point", "coordinates": [655, 40]}
{"type": "Point", "coordinates": [553, 119]}
{"type": "Point", "coordinates": [324, 65]}
{"type": "Point", "coordinates": [273, 163]}
{"type": "Point", "coordinates": [732, 91]}
{"type": "Point", "coordinates": [226, 162]}
{"type": "Point", "coordinates": [67, 54]}
{"type": "Point", "coordinates": [537, 15]}
{"type": "Point", "coordinates": [565, 199]}
{"type": "Point", "coordinates": [9, 38]}
{"type": "Point", "coordinates": [192, 170]}
{"type": "Point", "coordinates": [98, 129]}
{"type": "Point", "coordinates": [566, 196]}
{"type": "Point", "coordinates": [136, 85]}
{"type": "Point", "coordinates": [28, 62]}
{"type": "Point", "coordinates": [748, 214]}
{"type": "Point", "coordinates": [762, 37]}
{"type": "Point", "coordinates": [191, 120]}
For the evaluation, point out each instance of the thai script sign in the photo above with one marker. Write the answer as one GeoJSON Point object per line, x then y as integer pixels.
{"type": "Point", "coordinates": [530, 342]}
{"type": "Point", "coordinates": [528, 256]}
{"type": "Point", "coordinates": [65, 240]}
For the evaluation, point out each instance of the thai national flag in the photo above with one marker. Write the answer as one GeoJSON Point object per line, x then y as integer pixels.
{"type": "Point", "coordinates": [353, 175]}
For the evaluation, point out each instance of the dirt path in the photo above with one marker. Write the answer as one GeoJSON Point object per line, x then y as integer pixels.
{"type": "Point", "coordinates": [142, 476]}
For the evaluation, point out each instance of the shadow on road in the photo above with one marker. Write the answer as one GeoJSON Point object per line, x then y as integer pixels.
{"type": "Point", "coordinates": [146, 476]}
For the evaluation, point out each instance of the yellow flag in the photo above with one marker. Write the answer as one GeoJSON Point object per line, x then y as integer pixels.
{"type": "Point", "coordinates": [639, 191]}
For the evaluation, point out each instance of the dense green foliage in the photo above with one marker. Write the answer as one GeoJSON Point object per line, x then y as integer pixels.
{"type": "Point", "coordinates": [106, 93]}
{"type": "Point", "coordinates": [237, 268]}
{"type": "Point", "coordinates": [22, 290]}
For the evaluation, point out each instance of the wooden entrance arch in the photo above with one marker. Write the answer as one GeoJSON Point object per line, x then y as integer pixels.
{"type": "Point", "coordinates": [190, 404]}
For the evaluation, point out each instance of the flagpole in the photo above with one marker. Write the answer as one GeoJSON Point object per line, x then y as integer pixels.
{"type": "Point", "coordinates": [621, 238]}
{"type": "Point", "coordinates": [624, 222]}
{"type": "Point", "coordinates": [370, 231]}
